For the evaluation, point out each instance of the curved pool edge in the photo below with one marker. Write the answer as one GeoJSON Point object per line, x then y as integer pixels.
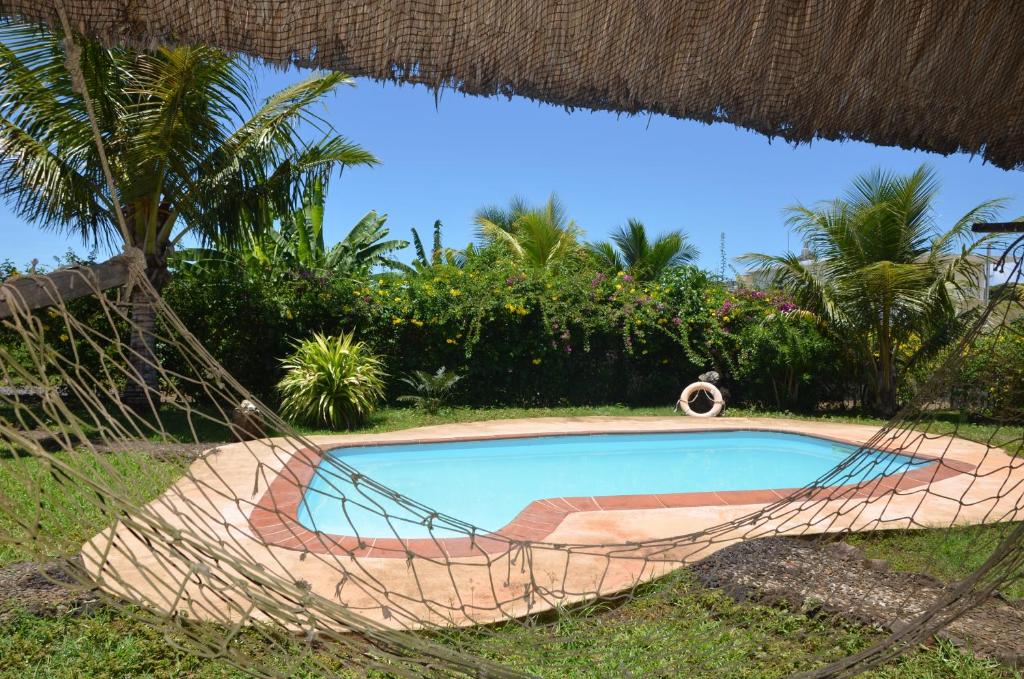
{"type": "Point", "coordinates": [274, 517]}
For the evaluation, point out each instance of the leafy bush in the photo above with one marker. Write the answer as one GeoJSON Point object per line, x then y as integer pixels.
{"type": "Point", "coordinates": [990, 382]}
{"type": "Point", "coordinates": [786, 362]}
{"type": "Point", "coordinates": [566, 335]}
{"type": "Point", "coordinates": [237, 316]}
{"type": "Point", "coordinates": [430, 390]}
{"type": "Point", "coordinates": [333, 381]}
{"type": "Point", "coordinates": [81, 335]}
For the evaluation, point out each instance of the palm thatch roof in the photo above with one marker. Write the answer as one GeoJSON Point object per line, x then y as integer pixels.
{"type": "Point", "coordinates": [937, 75]}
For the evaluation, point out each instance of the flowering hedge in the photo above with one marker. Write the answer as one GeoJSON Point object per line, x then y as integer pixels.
{"type": "Point", "coordinates": [523, 337]}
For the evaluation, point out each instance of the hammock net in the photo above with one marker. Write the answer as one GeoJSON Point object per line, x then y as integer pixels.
{"type": "Point", "coordinates": [225, 563]}
{"type": "Point", "coordinates": [220, 553]}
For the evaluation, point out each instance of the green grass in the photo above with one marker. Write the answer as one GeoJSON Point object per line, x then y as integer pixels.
{"type": "Point", "coordinates": [390, 419]}
{"type": "Point", "coordinates": [55, 513]}
{"type": "Point", "coordinates": [673, 628]}
{"type": "Point", "coordinates": [946, 553]}
{"type": "Point", "coordinates": [677, 628]}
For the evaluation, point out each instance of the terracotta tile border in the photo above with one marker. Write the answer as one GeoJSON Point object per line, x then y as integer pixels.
{"type": "Point", "coordinates": [274, 518]}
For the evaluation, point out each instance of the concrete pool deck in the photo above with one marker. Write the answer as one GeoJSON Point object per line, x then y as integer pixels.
{"type": "Point", "coordinates": [234, 535]}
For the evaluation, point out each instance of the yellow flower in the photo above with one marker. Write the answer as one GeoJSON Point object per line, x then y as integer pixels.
{"type": "Point", "coordinates": [63, 337]}
{"type": "Point", "coordinates": [621, 274]}
{"type": "Point", "coordinates": [398, 299]}
{"type": "Point", "coordinates": [396, 320]}
{"type": "Point", "coordinates": [618, 286]}
{"type": "Point", "coordinates": [454, 292]}
{"type": "Point", "coordinates": [536, 361]}
{"type": "Point", "coordinates": [417, 322]}
{"type": "Point", "coordinates": [450, 340]}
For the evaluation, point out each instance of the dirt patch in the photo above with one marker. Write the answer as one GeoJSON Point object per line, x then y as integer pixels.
{"type": "Point", "coordinates": [43, 589]}
{"type": "Point", "coordinates": [836, 578]}
{"type": "Point", "coordinates": [160, 450]}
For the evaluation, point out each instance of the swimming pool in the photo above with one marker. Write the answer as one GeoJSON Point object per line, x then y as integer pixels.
{"type": "Point", "coordinates": [488, 482]}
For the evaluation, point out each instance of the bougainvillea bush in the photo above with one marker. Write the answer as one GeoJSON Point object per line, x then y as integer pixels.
{"type": "Point", "coordinates": [520, 336]}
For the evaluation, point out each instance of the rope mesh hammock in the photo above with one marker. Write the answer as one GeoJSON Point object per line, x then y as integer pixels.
{"type": "Point", "coordinates": [224, 564]}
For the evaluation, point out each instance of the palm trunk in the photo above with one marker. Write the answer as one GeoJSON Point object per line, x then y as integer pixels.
{"type": "Point", "coordinates": [886, 374]}
{"type": "Point", "coordinates": [142, 390]}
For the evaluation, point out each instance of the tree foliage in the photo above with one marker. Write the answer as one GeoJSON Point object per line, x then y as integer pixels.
{"type": "Point", "coordinates": [632, 250]}
{"type": "Point", "coordinates": [882, 275]}
{"type": "Point", "coordinates": [541, 237]}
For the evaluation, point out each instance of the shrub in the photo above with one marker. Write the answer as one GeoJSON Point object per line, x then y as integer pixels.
{"type": "Point", "coordinates": [571, 335]}
{"type": "Point", "coordinates": [786, 362]}
{"type": "Point", "coordinates": [990, 381]}
{"type": "Point", "coordinates": [80, 334]}
{"type": "Point", "coordinates": [333, 381]}
{"type": "Point", "coordinates": [236, 317]}
{"type": "Point", "coordinates": [431, 390]}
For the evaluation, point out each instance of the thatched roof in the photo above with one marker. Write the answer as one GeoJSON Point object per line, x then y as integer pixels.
{"type": "Point", "coordinates": [939, 75]}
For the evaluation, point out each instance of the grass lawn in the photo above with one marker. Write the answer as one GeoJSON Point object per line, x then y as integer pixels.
{"type": "Point", "coordinates": [674, 628]}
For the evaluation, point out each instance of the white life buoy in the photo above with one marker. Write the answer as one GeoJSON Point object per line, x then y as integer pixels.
{"type": "Point", "coordinates": [717, 402]}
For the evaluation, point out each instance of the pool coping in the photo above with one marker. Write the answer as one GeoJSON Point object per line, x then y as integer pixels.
{"type": "Point", "coordinates": [274, 517]}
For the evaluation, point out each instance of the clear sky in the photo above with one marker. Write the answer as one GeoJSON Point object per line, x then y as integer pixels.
{"type": "Point", "coordinates": [444, 159]}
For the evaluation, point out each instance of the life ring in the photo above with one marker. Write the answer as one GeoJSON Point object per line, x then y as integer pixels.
{"type": "Point", "coordinates": [717, 402]}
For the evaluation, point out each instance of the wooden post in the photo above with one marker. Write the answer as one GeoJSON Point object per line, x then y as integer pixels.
{"type": "Point", "coordinates": [27, 293]}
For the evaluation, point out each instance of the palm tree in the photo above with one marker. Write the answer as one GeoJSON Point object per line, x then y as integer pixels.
{"type": "Point", "coordinates": [439, 254]}
{"type": "Point", "coordinates": [190, 152]}
{"type": "Point", "coordinates": [297, 244]}
{"type": "Point", "coordinates": [632, 251]}
{"type": "Point", "coordinates": [542, 237]}
{"type": "Point", "coordinates": [365, 247]}
{"type": "Point", "coordinates": [881, 273]}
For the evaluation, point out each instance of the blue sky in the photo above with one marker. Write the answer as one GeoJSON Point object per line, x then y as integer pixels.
{"type": "Point", "coordinates": [443, 160]}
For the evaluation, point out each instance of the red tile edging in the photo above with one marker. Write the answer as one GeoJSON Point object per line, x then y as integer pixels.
{"type": "Point", "coordinates": [274, 518]}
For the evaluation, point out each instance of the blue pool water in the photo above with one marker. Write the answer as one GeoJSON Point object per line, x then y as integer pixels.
{"type": "Point", "coordinates": [486, 483]}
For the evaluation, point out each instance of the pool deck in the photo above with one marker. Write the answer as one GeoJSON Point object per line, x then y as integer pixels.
{"type": "Point", "coordinates": [236, 539]}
